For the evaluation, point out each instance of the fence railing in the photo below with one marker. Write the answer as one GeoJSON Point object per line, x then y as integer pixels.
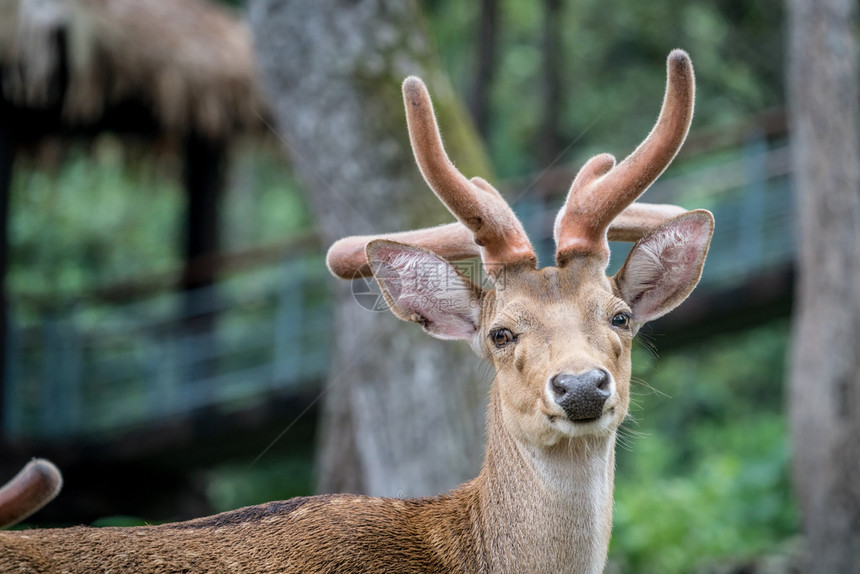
{"type": "Point", "coordinates": [96, 369]}
{"type": "Point", "coordinates": [752, 198]}
{"type": "Point", "coordinates": [90, 370]}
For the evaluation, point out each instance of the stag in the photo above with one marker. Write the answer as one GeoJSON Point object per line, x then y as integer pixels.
{"type": "Point", "coordinates": [559, 339]}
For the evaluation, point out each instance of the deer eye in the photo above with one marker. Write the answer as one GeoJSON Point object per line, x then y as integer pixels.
{"type": "Point", "coordinates": [501, 337]}
{"type": "Point", "coordinates": [621, 320]}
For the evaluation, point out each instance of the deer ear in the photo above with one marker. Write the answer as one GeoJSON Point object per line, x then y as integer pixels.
{"type": "Point", "coordinates": [420, 286]}
{"type": "Point", "coordinates": [665, 265]}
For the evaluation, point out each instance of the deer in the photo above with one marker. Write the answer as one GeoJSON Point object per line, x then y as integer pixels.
{"type": "Point", "coordinates": [558, 338]}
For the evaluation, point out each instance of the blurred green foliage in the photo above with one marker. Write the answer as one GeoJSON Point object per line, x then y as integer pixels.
{"type": "Point", "coordinates": [106, 214]}
{"type": "Point", "coordinates": [271, 478]}
{"type": "Point", "coordinates": [94, 218]}
{"type": "Point", "coordinates": [703, 460]}
{"type": "Point", "coordinates": [611, 68]}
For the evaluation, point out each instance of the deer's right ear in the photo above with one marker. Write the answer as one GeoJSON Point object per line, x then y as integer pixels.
{"type": "Point", "coordinates": [420, 286]}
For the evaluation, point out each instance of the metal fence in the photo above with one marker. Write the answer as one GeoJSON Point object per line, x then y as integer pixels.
{"type": "Point", "coordinates": [97, 369]}
{"type": "Point", "coordinates": [94, 369]}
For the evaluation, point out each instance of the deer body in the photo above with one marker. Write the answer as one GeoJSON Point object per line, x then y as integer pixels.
{"type": "Point", "coordinates": [336, 533]}
{"type": "Point", "coordinates": [511, 518]}
{"type": "Point", "coordinates": [559, 340]}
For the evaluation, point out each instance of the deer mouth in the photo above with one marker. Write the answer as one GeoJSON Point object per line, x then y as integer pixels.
{"type": "Point", "coordinates": [572, 428]}
{"type": "Point", "coordinates": [587, 420]}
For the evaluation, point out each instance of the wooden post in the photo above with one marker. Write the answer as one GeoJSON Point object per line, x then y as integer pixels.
{"type": "Point", "coordinates": [204, 179]}
{"type": "Point", "coordinates": [7, 158]}
{"type": "Point", "coordinates": [751, 245]}
{"type": "Point", "coordinates": [485, 68]}
{"type": "Point", "coordinates": [289, 326]}
{"type": "Point", "coordinates": [550, 137]}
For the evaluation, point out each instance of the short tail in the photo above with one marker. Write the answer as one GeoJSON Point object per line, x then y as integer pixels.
{"type": "Point", "coordinates": [31, 489]}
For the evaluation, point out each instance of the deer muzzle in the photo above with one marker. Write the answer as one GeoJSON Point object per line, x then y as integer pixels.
{"type": "Point", "coordinates": [581, 396]}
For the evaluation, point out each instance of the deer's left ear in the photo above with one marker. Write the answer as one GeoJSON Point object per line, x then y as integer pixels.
{"type": "Point", "coordinates": [665, 265]}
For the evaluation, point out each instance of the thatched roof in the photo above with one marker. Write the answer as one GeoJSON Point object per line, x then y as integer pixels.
{"type": "Point", "coordinates": [189, 63]}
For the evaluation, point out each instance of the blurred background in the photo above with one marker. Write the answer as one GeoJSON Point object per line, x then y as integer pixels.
{"type": "Point", "coordinates": [171, 173]}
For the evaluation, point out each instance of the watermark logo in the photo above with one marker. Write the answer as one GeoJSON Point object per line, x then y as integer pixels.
{"type": "Point", "coordinates": [368, 294]}
{"type": "Point", "coordinates": [420, 282]}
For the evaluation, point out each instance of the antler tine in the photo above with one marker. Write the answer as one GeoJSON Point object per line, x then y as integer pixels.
{"type": "Point", "coordinates": [348, 260]}
{"type": "Point", "coordinates": [602, 190]}
{"type": "Point", "coordinates": [488, 226]}
{"type": "Point", "coordinates": [474, 203]}
{"type": "Point", "coordinates": [639, 219]}
{"type": "Point", "coordinates": [31, 489]}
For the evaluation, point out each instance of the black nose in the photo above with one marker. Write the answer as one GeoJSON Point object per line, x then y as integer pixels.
{"type": "Point", "coordinates": [581, 396]}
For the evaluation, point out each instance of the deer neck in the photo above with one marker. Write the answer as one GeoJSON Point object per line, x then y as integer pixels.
{"type": "Point", "coordinates": [546, 509]}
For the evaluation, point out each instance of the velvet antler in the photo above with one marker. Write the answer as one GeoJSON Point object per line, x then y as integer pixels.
{"type": "Point", "coordinates": [487, 225]}
{"type": "Point", "coordinates": [475, 203]}
{"type": "Point", "coordinates": [602, 190]}
{"type": "Point", "coordinates": [347, 258]}
{"type": "Point", "coordinates": [599, 206]}
{"type": "Point", "coordinates": [31, 489]}
{"type": "Point", "coordinates": [454, 241]}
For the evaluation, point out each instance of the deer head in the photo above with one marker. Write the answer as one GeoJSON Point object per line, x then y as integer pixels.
{"type": "Point", "coordinates": [559, 337]}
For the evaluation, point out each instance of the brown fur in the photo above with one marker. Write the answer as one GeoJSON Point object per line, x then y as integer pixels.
{"type": "Point", "coordinates": [340, 533]}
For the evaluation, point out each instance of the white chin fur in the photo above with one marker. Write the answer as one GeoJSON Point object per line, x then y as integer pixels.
{"type": "Point", "coordinates": [572, 429]}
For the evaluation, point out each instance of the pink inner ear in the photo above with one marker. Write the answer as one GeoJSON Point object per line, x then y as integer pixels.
{"type": "Point", "coordinates": [665, 266]}
{"type": "Point", "coordinates": [426, 289]}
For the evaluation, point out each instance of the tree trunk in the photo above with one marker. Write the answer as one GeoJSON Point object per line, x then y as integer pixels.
{"type": "Point", "coordinates": [203, 176]}
{"type": "Point", "coordinates": [7, 159]}
{"type": "Point", "coordinates": [825, 365]}
{"type": "Point", "coordinates": [403, 413]}
{"type": "Point", "coordinates": [549, 144]}
{"type": "Point", "coordinates": [485, 67]}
